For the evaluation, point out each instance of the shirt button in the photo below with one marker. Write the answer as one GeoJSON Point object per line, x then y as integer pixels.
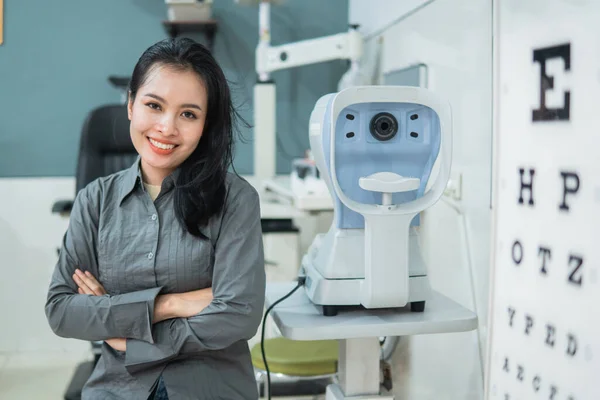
{"type": "Point", "coordinates": [154, 216]}
{"type": "Point", "coordinates": [150, 255]}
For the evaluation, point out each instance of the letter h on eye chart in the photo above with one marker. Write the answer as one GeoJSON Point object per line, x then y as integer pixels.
{"type": "Point", "coordinates": [544, 340]}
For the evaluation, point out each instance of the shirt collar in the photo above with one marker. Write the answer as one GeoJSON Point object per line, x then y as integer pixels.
{"type": "Point", "coordinates": [133, 178]}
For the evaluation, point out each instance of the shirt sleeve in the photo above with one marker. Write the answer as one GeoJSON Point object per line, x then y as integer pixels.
{"type": "Point", "coordinates": [86, 317]}
{"type": "Point", "coordinates": [238, 294]}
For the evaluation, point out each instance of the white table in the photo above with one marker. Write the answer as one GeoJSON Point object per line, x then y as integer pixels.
{"type": "Point", "coordinates": [279, 201]}
{"type": "Point", "coordinates": [281, 185]}
{"type": "Point", "coordinates": [272, 205]}
{"type": "Point", "coordinates": [358, 332]}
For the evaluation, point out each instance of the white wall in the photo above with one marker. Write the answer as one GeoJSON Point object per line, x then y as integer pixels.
{"type": "Point", "coordinates": [29, 236]}
{"type": "Point", "coordinates": [374, 15]}
{"type": "Point", "coordinates": [454, 38]}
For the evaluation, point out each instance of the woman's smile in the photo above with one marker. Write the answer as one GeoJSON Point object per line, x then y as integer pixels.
{"type": "Point", "coordinates": [160, 147]}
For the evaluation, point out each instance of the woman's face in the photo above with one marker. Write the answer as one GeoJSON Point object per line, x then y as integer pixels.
{"type": "Point", "coordinates": [167, 119]}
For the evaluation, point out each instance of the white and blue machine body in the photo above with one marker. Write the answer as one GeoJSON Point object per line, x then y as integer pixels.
{"type": "Point", "coordinates": [376, 147]}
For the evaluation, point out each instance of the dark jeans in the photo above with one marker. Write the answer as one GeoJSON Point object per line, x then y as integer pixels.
{"type": "Point", "coordinates": [161, 391]}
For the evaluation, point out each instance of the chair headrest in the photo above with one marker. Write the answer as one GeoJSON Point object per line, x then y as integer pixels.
{"type": "Point", "coordinates": [106, 130]}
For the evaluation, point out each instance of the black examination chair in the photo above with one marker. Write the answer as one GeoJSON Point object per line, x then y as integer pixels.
{"type": "Point", "coordinates": [105, 147]}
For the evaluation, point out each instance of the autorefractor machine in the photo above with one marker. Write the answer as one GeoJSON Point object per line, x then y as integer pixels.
{"type": "Point", "coordinates": [376, 147]}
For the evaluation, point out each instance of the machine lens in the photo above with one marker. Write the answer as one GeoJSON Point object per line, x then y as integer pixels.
{"type": "Point", "coordinates": [384, 126]}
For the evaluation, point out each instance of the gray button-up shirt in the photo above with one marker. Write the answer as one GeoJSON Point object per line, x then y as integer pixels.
{"type": "Point", "coordinates": [137, 249]}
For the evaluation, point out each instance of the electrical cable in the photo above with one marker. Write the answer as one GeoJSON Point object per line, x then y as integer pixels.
{"type": "Point", "coordinates": [301, 281]}
{"type": "Point", "coordinates": [467, 246]}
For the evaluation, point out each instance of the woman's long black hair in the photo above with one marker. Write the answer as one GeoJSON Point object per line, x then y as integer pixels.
{"type": "Point", "coordinates": [200, 189]}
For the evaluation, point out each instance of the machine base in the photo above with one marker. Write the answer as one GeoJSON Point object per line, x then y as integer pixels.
{"type": "Point", "coordinates": [340, 294]}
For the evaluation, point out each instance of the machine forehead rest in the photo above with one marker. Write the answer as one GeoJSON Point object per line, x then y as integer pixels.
{"type": "Point", "coordinates": [388, 182]}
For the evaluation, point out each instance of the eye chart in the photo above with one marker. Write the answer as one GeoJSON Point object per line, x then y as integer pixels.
{"type": "Point", "coordinates": [545, 301]}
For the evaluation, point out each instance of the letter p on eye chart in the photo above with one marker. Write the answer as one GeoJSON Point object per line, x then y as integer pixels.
{"type": "Point", "coordinates": [544, 324]}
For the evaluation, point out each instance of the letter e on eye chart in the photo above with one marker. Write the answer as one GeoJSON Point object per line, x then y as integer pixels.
{"type": "Point", "coordinates": [544, 333]}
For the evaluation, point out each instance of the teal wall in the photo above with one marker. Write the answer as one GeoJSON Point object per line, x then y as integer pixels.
{"type": "Point", "coordinates": [56, 58]}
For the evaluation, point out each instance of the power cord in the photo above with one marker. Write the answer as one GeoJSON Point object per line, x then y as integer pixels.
{"type": "Point", "coordinates": [467, 246]}
{"type": "Point", "coordinates": [301, 281]}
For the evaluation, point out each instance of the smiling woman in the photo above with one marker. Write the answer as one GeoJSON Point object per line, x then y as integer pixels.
{"type": "Point", "coordinates": [179, 97]}
{"type": "Point", "coordinates": [174, 303]}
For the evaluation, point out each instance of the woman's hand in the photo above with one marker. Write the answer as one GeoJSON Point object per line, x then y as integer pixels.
{"type": "Point", "coordinates": [88, 284]}
{"type": "Point", "coordinates": [117, 344]}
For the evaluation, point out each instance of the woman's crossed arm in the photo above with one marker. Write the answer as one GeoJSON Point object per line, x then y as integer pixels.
{"type": "Point", "coordinates": [167, 306]}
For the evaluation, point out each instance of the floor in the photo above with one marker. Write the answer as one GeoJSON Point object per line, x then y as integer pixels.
{"type": "Point", "coordinates": [25, 376]}
{"type": "Point", "coordinates": [419, 372]}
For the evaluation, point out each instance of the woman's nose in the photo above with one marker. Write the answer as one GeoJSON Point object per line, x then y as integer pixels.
{"type": "Point", "coordinates": [166, 125]}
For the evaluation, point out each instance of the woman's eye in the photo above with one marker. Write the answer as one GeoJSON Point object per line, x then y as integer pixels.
{"type": "Point", "coordinates": [153, 106]}
{"type": "Point", "coordinates": [188, 115]}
